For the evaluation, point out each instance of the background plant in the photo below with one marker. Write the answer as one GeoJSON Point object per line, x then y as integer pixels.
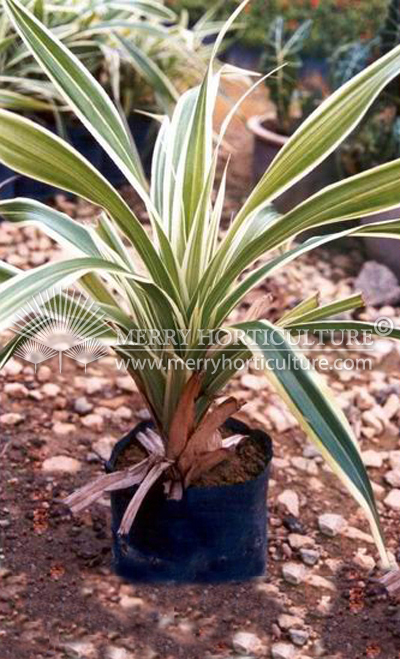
{"type": "Point", "coordinates": [193, 277]}
{"type": "Point", "coordinates": [143, 53]}
{"type": "Point", "coordinates": [282, 53]}
{"type": "Point", "coordinates": [377, 139]}
{"type": "Point", "coordinates": [334, 21]}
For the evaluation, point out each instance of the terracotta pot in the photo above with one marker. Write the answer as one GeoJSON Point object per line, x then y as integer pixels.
{"type": "Point", "coordinates": [267, 144]}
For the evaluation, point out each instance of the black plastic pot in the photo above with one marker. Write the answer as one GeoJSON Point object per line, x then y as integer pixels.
{"type": "Point", "coordinates": [213, 534]}
{"type": "Point", "coordinates": [82, 140]}
{"type": "Point", "coordinates": [243, 56]}
{"type": "Point", "coordinates": [267, 144]}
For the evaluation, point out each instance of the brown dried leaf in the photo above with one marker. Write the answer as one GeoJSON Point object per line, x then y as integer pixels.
{"type": "Point", "coordinates": [184, 417]}
{"type": "Point", "coordinates": [199, 442]}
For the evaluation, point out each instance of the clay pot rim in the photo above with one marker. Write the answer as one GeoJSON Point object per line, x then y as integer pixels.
{"type": "Point", "coordinates": [255, 125]}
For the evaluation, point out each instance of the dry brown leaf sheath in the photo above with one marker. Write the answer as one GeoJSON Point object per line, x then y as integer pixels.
{"type": "Point", "coordinates": [199, 441]}
{"type": "Point", "coordinates": [184, 418]}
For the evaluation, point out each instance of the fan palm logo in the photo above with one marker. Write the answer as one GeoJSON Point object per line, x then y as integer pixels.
{"type": "Point", "coordinates": [59, 323]}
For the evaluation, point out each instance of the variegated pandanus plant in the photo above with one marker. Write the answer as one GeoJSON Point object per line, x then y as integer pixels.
{"type": "Point", "coordinates": [185, 275]}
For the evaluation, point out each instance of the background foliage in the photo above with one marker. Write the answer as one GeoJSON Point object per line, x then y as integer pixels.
{"type": "Point", "coordinates": [333, 20]}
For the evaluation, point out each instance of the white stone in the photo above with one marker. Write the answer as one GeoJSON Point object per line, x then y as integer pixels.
{"type": "Point", "coordinates": [281, 419]}
{"type": "Point", "coordinates": [283, 651]}
{"type": "Point", "coordinates": [104, 446]}
{"type": "Point", "coordinates": [356, 534]}
{"type": "Point", "coordinates": [363, 560]}
{"type": "Point", "coordinates": [93, 421]}
{"type": "Point", "coordinates": [104, 412]}
{"type": "Point", "coordinates": [114, 652]}
{"type": "Point", "coordinates": [61, 463]}
{"type": "Point", "coordinates": [15, 390]}
{"type": "Point", "coordinates": [331, 524]}
{"type": "Point", "coordinates": [394, 459]}
{"type": "Point", "coordinates": [11, 419]}
{"type": "Point", "coordinates": [247, 643]}
{"type": "Point", "coordinates": [294, 573]}
{"type": "Point", "coordinates": [317, 581]}
{"type": "Point", "coordinates": [127, 602]}
{"type": "Point", "coordinates": [392, 406]}
{"type": "Point", "coordinates": [286, 621]}
{"type": "Point", "coordinates": [126, 383]}
{"type": "Point", "coordinates": [253, 382]}
{"type": "Point", "coordinates": [82, 649]}
{"type": "Point", "coordinates": [44, 373]}
{"type": "Point", "coordinates": [51, 390]}
{"type": "Point", "coordinates": [378, 490]}
{"type": "Point", "coordinates": [364, 400]}
{"type": "Point", "coordinates": [290, 500]}
{"type": "Point", "coordinates": [12, 367]}
{"type": "Point", "coordinates": [393, 477]}
{"type": "Point", "coordinates": [123, 413]}
{"type": "Point", "coordinates": [91, 385]}
{"type": "Point", "coordinates": [63, 429]}
{"type": "Point", "coordinates": [372, 458]}
{"type": "Point", "coordinates": [393, 500]}
{"type": "Point", "coordinates": [82, 405]}
{"type": "Point", "coordinates": [297, 541]}
{"type": "Point", "coordinates": [308, 466]}
{"type": "Point", "coordinates": [310, 451]}
{"type": "Point", "coordinates": [371, 418]}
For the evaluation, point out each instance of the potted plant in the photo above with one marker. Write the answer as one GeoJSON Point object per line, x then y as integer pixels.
{"type": "Point", "coordinates": [138, 51]}
{"type": "Point", "coordinates": [293, 101]}
{"type": "Point", "coordinates": [377, 139]}
{"type": "Point", "coordinates": [191, 281]}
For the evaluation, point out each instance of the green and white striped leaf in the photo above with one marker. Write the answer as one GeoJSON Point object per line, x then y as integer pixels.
{"type": "Point", "coordinates": [340, 326]}
{"type": "Point", "coordinates": [11, 100]}
{"type": "Point", "coordinates": [291, 374]}
{"type": "Point", "coordinates": [302, 315]}
{"type": "Point", "coordinates": [57, 163]}
{"type": "Point", "coordinates": [58, 226]}
{"type": "Point", "coordinates": [152, 73]}
{"type": "Point", "coordinates": [81, 91]}
{"type": "Point", "coordinates": [323, 131]}
{"type": "Point", "coordinates": [7, 271]}
{"type": "Point", "coordinates": [25, 286]}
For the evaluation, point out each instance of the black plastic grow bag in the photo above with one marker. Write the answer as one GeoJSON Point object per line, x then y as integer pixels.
{"type": "Point", "coordinates": [143, 133]}
{"type": "Point", "coordinates": [212, 534]}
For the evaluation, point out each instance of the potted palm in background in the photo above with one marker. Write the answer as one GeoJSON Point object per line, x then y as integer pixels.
{"type": "Point", "coordinates": [377, 139]}
{"type": "Point", "coordinates": [293, 100]}
{"type": "Point", "coordinates": [192, 280]}
{"type": "Point", "coordinates": [142, 53]}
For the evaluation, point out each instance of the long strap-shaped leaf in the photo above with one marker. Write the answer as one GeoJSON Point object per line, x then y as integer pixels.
{"type": "Point", "coordinates": [57, 225]}
{"type": "Point", "coordinates": [25, 286]}
{"type": "Point", "coordinates": [290, 372]}
{"type": "Point", "coordinates": [151, 72]}
{"type": "Point", "coordinates": [7, 271]}
{"type": "Point", "coordinates": [272, 238]}
{"type": "Point", "coordinates": [301, 324]}
{"type": "Point", "coordinates": [301, 314]}
{"type": "Point", "coordinates": [322, 132]}
{"type": "Point", "coordinates": [83, 93]}
{"type": "Point", "coordinates": [34, 151]}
